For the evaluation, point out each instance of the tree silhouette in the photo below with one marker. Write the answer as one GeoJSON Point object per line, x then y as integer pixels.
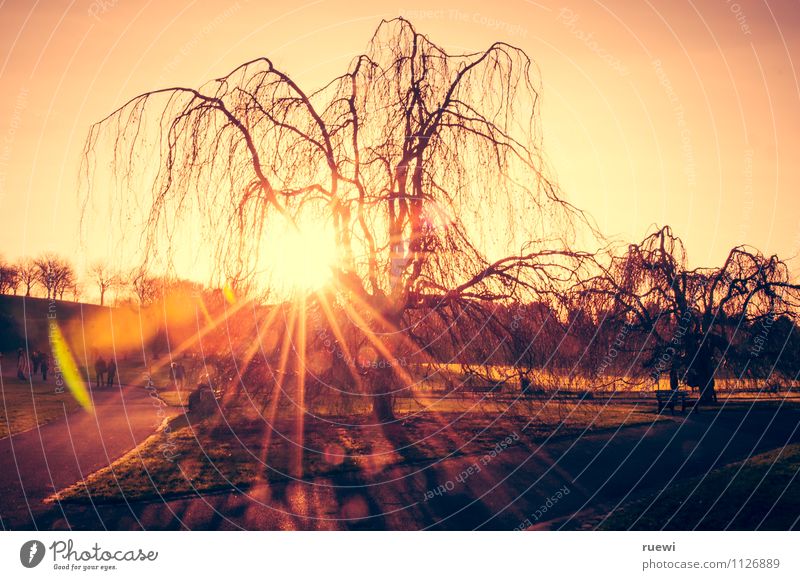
{"type": "Point", "coordinates": [55, 274]}
{"type": "Point", "coordinates": [688, 318]}
{"type": "Point", "coordinates": [105, 277]}
{"type": "Point", "coordinates": [28, 274]}
{"type": "Point", "coordinates": [146, 288]}
{"type": "Point", "coordinates": [9, 278]}
{"type": "Point", "coordinates": [426, 165]}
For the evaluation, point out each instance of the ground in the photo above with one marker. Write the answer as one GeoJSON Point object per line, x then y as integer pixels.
{"type": "Point", "coordinates": [450, 461]}
{"type": "Point", "coordinates": [24, 405]}
{"type": "Point", "coordinates": [239, 449]}
{"type": "Point", "coordinates": [578, 466]}
{"type": "Point", "coordinates": [761, 492]}
{"type": "Point", "coordinates": [27, 404]}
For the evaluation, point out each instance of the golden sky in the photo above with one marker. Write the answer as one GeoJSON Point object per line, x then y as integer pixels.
{"type": "Point", "coordinates": [686, 113]}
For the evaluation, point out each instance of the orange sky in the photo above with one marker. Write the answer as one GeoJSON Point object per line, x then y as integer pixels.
{"type": "Point", "coordinates": [671, 112]}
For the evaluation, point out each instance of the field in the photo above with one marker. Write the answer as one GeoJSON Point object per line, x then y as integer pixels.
{"type": "Point", "coordinates": [25, 405]}
{"type": "Point", "coordinates": [760, 493]}
{"type": "Point", "coordinates": [261, 438]}
{"type": "Point", "coordinates": [240, 449]}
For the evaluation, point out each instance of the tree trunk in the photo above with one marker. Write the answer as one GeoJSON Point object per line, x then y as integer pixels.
{"type": "Point", "coordinates": [383, 399]}
{"type": "Point", "coordinates": [706, 367]}
{"type": "Point", "coordinates": [673, 378]}
{"type": "Point", "coordinates": [384, 378]}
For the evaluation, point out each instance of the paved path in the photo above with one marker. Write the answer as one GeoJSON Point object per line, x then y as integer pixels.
{"type": "Point", "coordinates": [595, 471]}
{"type": "Point", "coordinates": [40, 461]}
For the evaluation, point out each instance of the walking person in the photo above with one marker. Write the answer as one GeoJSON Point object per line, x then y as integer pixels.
{"type": "Point", "coordinates": [23, 365]}
{"type": "Point", "coordinates": [43, 364]}
{"type": "Point", "coordinates": [112, 371]}
{"type": "Point", "coordinates": [100, 371]}
{"type": "Point", "coordinates": [180, 376]}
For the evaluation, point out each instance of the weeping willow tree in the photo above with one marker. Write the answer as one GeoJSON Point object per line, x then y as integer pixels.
{"type": "Point", "coordinates": [690, 319]}
{"type": "Point", "coordinates": [426, 167]}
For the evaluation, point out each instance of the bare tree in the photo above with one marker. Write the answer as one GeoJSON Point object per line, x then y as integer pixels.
{"type": "Point", "coordinates": [9, 278]}
{"type": "Point", "coordinates": [68, 284]}
{"type": "Point", "coordinates": [689, 317]}
{"type": "Point", "coordinates": [55, 274]}
{"type": "Point", "coordinates": [47, 272]}
{"type": "Point", "coordinates": [146, 288]}
{"type": "Point", "coordinates": [75, 288]}
{"type": "Point", "coordinates": [28, 274]}
{"type": "Point", "coordinates": [105, 278]}
{"type": "Point", "coordinates": [403, 156]}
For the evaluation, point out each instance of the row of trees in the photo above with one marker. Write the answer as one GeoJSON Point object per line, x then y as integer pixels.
{"type": "Point", "coordinates": [51, 274]}
{"type": "Point", "coordinates": [54, 277]}
{"type": "Point", "coordinates": [633, 315]}
{"type": "Point", "coordinates": [429, 168]}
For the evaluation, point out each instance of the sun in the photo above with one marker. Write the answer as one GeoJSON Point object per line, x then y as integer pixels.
{"type": "Point", "coordinates": [301, 259]}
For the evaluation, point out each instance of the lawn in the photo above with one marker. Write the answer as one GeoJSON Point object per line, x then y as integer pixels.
{"type": "Point", "coordinates": [240, 449]}
{"type": "Point", "coordinates": [760, 493]}
{"type": "Point", "coordinates": [24, 405]}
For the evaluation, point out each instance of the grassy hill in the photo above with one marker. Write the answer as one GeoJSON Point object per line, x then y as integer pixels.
{"type": "Point", "coordinates": [24, 319]}
{"type": "Point", "coordinates": [126, 334]}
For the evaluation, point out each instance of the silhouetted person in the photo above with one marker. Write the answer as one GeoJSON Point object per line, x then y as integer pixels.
{"type": "Point", "coordinates": [22, 365]}
{"type": "Point", "coordinates": [180, 375]}
{"type": "Point", "coordinates": [44, 366]}
{"type": "Point", "coordinates": [112, 372]}
{"type": "Point", "coordinates": [35, 360]}
{"type": "Point", "coordinates": [100, 370]}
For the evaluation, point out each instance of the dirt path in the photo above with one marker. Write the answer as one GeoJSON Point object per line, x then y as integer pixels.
{"type": "Point", "coordinates": [37, 462]}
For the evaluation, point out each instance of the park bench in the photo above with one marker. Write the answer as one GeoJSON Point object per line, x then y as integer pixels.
{"type": "Point", "coordinates": [670, 398]}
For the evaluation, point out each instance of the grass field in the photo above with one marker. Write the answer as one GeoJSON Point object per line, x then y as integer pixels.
{"type": "Point", "coordinates": [242, 450]}
{"type": "Point", "coordinates": [249, 443]}
{"type": "Point", "coordinates": [761, 493]}
{"type": "Point", "coordinates": [25, 405]}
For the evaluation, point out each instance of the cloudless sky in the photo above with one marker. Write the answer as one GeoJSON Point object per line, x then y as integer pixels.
{"type": "Point", "coordinates": [672, 112]}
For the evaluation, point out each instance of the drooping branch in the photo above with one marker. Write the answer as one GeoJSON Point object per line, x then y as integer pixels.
{"type": "Point", "coordinates": [688, 315]}
{"type": "Point", "coordinates": [402, 156]}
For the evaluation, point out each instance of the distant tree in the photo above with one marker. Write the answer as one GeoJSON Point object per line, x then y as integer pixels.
{"type": "Point", "coordinates": [769, 348]}
{"type": "Point", "coordinates": [28, 274]}
{"type": "Point", "coordinates": [69, 284]}
{"type": "Point", "coordinates": [55, 274]}
{"type": "Point", "coordinates": [76, 289]}
{"type": "Point", "coordinates": [46, 272]}
{"type": "Point", "coordinates": [145, 287]}
{"type": "Point", "coordinates": [105, 277]}
{"type": "Point", "coordinates": [688, 318]}
{"type": "Point", "coordinates": [9, 278]}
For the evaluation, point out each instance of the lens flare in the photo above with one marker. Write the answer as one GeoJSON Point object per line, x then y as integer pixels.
{"type": "Point", "coordinates": [227, 292]}
{"type": "Point", "coordinates": [69, 369]}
